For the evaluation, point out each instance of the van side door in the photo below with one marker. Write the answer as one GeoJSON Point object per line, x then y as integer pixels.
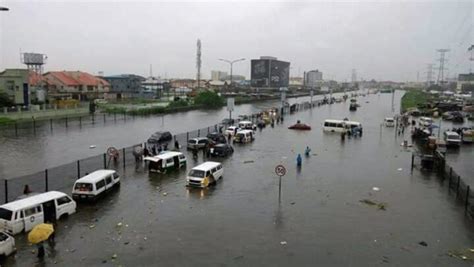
{"type": "Point", "coordinates": [33, 216]}
{"type": "Point", "coordinates": [108, 182]}
{"type": "Point", "coordinates": [62, 206]}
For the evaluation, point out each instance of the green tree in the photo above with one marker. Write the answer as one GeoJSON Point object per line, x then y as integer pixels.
{"type": "Point", "coordinates": [209, 99]}
{"type": "Point", "coordinates": [5, 100]}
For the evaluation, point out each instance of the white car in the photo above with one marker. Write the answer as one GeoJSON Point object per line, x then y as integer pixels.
{"type": "Point", "coordinates": [231, 130]}
{"type": "Point", "coordinates": [7, 244]}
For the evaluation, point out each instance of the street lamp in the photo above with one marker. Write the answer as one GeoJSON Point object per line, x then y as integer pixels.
{"type": "Point", "coordinates": [231, 62]}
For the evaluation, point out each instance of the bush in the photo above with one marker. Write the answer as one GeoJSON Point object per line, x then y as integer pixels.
{"type": "Point", "coordinates": [178, 104]}
{"type": "Point", "coordinates": [5, 100]}
{"type": "Point", "coordinates": [209, 99]}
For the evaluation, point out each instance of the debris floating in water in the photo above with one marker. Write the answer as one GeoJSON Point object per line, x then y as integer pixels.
{"type": "Point", "coordinates": [380, 206]}
{"type": "Point", "coordinates": [375, 188]}
{"type": "Point", "coordinates": [423, 243]}
{"type": "Point", "coordinates": [92, 146]}
{"type": "Point", "coordinates": [283, 243]}
{"type": "Point", "coordinates": [399, 169]}
{"type": "Point", "coordinates": [248, 161]}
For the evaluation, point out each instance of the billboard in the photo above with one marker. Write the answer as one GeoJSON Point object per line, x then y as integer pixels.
{"type": "Point", "coordinates": [280, 73]}
{"type": "Point", "coordinates": [33, 58]}
{"type": "Point", "coordinates": [270, 73]}
{"type": "Point", "coordinates": [259, 72]}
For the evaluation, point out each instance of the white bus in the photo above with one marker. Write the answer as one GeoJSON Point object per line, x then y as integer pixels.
{"type": "Point", "coordinates": [95, 184]}
{"type": "Point", "coordinates": [337, 126]}
{"type": "Point", "coordinates": [24, 214]}
{"type": "Point", "coordinates": [205, 174]}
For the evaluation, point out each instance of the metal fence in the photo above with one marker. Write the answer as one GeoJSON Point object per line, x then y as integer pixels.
{"type": "Point", "coordinates": [62, 178]}
{"type": "Point", "coordinates": [456, 184]}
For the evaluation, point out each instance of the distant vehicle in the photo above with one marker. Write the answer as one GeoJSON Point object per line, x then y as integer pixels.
{"type": "Point", "coordinates": [217, 138]}
{"type": "Point", "coordinates": [247, 125]}
{"type": "Point", "coordinates": [244, 136]}
{"type": "Point", "coordinates": [425, 121]}
{"type": "Point", "coordinates": [228, 121]}
{"type": "Point", "coordinates": [231, 130]}
{"type": "Point", "coordinates": [468, 135]}
{"type": "Point", "coordinates": [164, 161]}
{"type": "Point", "coordinates": [334, 126]}
{"type": "Point", "coordinates": [389, 122]}
{"type": "Point", "coordinates": [352, 124]}
{"type": "Point", "coordinates": [95, 185]}
{"type": "Point", "coordinates": [22, 215]}
{"type": "Point", "coordinates": [452, 139]}
{"type": "Point", "coordinates": [205, 174]}
{"type": "Point", "coordinates": [197, 143]}
{"type": "Point", "coordinates": [353, 106]}
{"type": "Point", "coordinates": [221, 150]}
{"type": "Point", "coordinates": [7, 244]}
{"type": "Point", "coordinates": [441, 146]}
{"type": "Point", "coordinates": [160, 137]}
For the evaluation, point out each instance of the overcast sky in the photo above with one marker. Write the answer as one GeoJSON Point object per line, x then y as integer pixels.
{"type": "Point", "coordinates": [389, 41]}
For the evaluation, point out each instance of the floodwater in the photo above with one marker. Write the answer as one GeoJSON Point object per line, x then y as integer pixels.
{"type": "Point", "coordinates": [240, 222]}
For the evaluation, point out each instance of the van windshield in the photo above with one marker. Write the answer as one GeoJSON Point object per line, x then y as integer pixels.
{"type": "Point", "coordinates": [196, 173]}
{"type": "Point", "coordinates": [83, 187]}
{"type": "Point", "coordinates": [5, 214]}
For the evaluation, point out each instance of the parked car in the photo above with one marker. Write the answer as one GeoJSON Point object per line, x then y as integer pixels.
{"type": "Point", "coordinates": [7, 244]}
{"type": "Point", "coordinates": [197, 143]}
{"type": "Point", "coordinates": [231, 130]}
{"type": "Point", "coordinates": [160, 137]}
{"type": "Point", "coordinates": [221, 150]}
{"type": "Point", "coordinates": [217, 138]}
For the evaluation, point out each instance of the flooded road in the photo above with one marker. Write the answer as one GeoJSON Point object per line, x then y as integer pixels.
{"type": "Point", "coordinates": [154, 219]}
{"type": "Point", "coordinates": [49, 148]}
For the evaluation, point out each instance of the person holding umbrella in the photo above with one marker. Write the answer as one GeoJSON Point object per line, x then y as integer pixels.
{"type": "Point", "coordinates": [39, 234]}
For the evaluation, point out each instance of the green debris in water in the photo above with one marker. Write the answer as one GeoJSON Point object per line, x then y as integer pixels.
{"type": "Point", "coordinates": [380, 206]}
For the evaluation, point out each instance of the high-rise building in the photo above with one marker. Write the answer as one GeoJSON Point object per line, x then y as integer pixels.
{"type": "Point", "coordinates": [218, 75]}
{"type": "Point", "coordinates": [269, 72]}
{"type": "Point", "coordinates": [313, 78]}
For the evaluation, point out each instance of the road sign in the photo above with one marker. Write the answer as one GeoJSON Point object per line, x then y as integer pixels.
{"type": "Point", "coordinates": [230, 104]}
{"type": "Point", "coordinates": [280, 170]}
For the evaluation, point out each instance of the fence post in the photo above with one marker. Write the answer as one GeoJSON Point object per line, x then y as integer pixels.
{"type": "Point", "coordinates": [6, 191]}
{"type": "Point", "coordinates": [78, 169]}
{"type": "Point", "coordinates": [457, 186]}
{"type": "Point", "coordinates": [34, 126]}
{"type": "Point", "coordinates": [123, 154]}
{"type": "Point", "coordinates": [187, 136]}
{"type": "Point", "coordinates": [80, 121]}
{"type": "Point", "coordinates": [450, 173]}
{"type": "Point", "coordinates": [199, 132]}
{"type": "Point", "coordinates": [46, 187]}
{"type": "Point", "coordinates": [412, 160]}
{"type": "Point", "coordinates": [466, 203]}
{"type": "Point", "coordinates": [208, 130]}
{"type": "Point", "coordinates": [51, 124]}
{"type": "Point", "coordinates": [105, 161]}
{"type": "Point", "coordinates": [104, 118]}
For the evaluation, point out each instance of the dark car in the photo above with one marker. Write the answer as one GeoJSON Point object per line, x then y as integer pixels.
{"type": "Point", "coordinates": [160, 137]}
{"type": "Point", "coordinates": [221, 150]}
{"type": "Point", "coordinates": [217, 138]}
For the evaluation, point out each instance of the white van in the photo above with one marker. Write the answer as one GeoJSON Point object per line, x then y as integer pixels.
{"type": "Point", "coordinates": [352, 124]}
{"type": "Point", "coordinates": [389, 122]}
{"type": "Point", "coordinates": [95, 184]}
{"type": "Point", "coordinates": [337, 126]}
{"type": "Point", "coordinates": [453, 139]}
{"type": "Point", "coordinates": [205, 174]}
{"type": "Point", "coordinates": [166, 160]}
{"type": "Point", "coordinates": [24, 214]}
{"type": "Point", "coordinates": [247, 125]}
{"type": "Point", "coordinates": [244, 136]}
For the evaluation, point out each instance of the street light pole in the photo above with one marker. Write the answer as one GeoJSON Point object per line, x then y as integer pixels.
{"type": "Point", "coordinates": [231, 63]}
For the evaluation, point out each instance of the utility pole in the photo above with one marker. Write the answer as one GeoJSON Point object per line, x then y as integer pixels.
{"type": "Point", "coordinates": [198, 63]}
{"type": "Point", "coordinates": [429, 74]}
{"type": "Point", "coordinates": [442, 60]}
